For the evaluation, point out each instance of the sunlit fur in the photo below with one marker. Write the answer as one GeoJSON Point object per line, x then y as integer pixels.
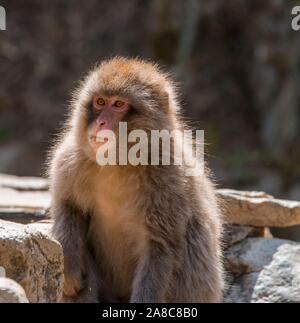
{"type": "Point", "coordinates": [139, 234]}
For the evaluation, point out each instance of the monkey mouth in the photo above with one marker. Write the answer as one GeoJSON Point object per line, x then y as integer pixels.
{"type": "Point", "coordinates": [98, 140]}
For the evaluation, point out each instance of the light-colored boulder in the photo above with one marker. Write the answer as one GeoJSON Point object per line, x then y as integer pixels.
{"type": "Point", "coordinates": [252, 254]}
{"type": "Point", "coordinates": [279, 281]}
{"type": "Point", "coordinates": [43, 226]}
{"type": "Point", "coordinates": [11, 292]}
{"type": "Point", "coordinates": [258, 209]}
{"type": "Point", "coordinates": [33, 259]}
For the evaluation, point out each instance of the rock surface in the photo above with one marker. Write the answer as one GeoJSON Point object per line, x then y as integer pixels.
{"type": "Point", "coordinates": [277, 282]}
{"type": "Point", "coordinates": [252, 254]}
{"type": "Point", "coordinates": [258, 209]}
{"type": "Point", "coordinates": [11, 292]}
{"type": "Point", "coordinates": [33, 259]}
{"type": "Point", "coordinates": [260, 269]}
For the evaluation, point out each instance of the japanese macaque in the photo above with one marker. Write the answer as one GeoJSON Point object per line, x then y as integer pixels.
{"type": "Point", "coordinates": [131, 233]}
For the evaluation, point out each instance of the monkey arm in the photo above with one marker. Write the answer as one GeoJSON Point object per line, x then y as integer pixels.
{"type": "Point", "coordinates": [153, 275]}
{"type": "Point", "coordinates": [70, 229]}
{"type": "Point", "coordinates": [162, 256]}
{"type": "Point", "coordinates": [165, 220]}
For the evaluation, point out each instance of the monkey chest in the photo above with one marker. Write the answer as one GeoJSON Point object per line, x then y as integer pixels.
{"type": "Point", "coordinates": [119, 235]}
{"type": "Point", "coordinates": [121, 226]}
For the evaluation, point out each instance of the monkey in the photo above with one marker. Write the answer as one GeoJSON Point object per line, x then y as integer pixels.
{"type": "Point", "coordinates": [131, 233]}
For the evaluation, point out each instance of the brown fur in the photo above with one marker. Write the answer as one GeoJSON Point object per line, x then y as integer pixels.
{"type": "Point", "coordinates": [139, 234]}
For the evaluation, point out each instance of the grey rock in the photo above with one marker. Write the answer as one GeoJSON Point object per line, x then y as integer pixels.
{"type": "Point", "coordinates": [252, 254]}
{"type": "Point", "coordinates": [11, 292]}
{"type": "Point", "coordinates": [279, 281]}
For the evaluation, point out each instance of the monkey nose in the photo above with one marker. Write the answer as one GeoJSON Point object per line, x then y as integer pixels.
{"type": "Point", "coordinates": [101, 123]}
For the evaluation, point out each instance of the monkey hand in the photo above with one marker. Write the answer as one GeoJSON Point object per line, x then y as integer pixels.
{"type": "Point", "coordinates": [74, 281]}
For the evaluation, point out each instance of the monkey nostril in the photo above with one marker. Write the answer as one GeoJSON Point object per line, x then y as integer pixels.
{"type": "Point", "coordinates": [102, 123]}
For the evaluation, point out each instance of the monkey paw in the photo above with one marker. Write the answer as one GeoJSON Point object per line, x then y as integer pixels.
{"type": "Point", "coordinates": [73, 284]}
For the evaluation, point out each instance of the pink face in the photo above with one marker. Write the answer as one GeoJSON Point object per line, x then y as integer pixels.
{"type": "Point", "coordinates": [106, 114]}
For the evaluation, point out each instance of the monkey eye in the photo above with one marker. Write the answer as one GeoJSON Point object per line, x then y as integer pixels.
{"type": "Point", "coordinates": [119, 104]}
{"type": "Point", "coordinates": [99, 101]}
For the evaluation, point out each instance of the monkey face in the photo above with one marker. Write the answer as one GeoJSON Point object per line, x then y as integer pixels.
{"type": "Point", "coordinates": [121, 90]}
{"type": "Point", "coordinates": [105, 113]}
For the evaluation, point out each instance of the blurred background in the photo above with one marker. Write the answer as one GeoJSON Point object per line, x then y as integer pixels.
{"type": "Point", "coordinates": [238, 63]}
